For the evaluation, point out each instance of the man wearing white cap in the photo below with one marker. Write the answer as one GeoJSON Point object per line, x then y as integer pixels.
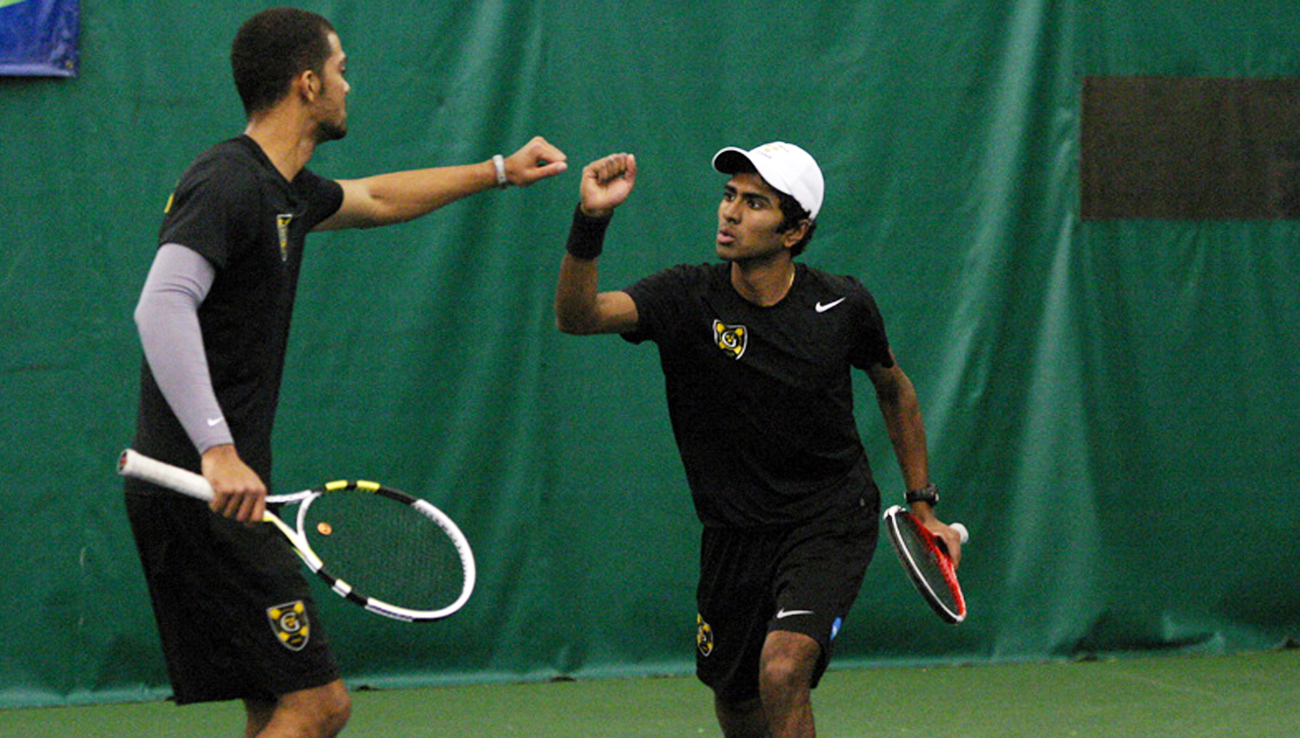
{"type": "Point", "coordinates": [756, 352]}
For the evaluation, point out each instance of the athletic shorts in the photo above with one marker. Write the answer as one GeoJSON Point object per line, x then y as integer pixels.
{"type": "Point", "coordinates": [802, 579]}
{"type": "Point", "coordinates": [234, 611]}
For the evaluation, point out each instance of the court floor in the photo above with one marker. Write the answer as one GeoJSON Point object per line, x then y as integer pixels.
{"type": "Point", "coordinates": [1240, 695]}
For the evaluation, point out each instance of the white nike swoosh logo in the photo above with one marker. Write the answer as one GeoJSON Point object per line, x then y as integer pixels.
{"type": "Point", "coordinates": [213, 422]}
{"type": "Point", "coordinates": [823, 308]}
{"type": "Point", "coordinates": [783, 614]}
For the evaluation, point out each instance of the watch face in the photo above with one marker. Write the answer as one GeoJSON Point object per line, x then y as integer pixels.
{"type": "Point", "coordinates": [925, 494]}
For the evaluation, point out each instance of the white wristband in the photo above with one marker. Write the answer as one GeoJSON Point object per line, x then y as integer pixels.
{"type": "Point", "coordinates": [500, 164]}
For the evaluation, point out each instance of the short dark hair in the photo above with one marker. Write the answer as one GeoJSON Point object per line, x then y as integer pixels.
{"type": "Point", "coordinates": [272, 48]}
{"type": "Point", "coordinates": [792, 213]}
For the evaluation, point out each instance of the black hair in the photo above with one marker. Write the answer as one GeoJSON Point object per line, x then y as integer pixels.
{"type": "Point", "coordinates": [792, 214]}
{"type": "Point", "coordinates": [272, 48]}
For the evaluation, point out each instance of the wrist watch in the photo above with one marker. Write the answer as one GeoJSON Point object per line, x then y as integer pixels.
{"type": "Point", "coordinates": [928, 494]}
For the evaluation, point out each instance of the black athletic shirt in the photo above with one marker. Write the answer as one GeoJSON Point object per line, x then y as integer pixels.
{"type": "Point", "coordinates": [761, 398]}
{"type": "Point", "coordinates": [234, 208]}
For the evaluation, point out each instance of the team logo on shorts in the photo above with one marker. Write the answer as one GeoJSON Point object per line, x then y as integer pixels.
{"type": "Point", "coordinates": [289, 621]}
{"type": "Point", "coordinates": [732, 339]}
{"type": "Point", "coordinates": [703, 636]}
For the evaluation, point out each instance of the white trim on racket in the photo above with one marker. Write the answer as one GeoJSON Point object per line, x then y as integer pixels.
{"type": "Point", "coordinates": [912, 567]}
{"type": "Point", "coordinates": [134, 464]}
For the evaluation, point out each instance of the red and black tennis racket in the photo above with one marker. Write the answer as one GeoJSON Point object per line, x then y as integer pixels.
{"type": "Point", "coordinates": [927, 563]}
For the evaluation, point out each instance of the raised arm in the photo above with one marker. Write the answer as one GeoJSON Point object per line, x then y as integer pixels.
{"type": "Point", "coordinates": [400, 196]}
{"type": "Point", "coordinates": [579, 307]}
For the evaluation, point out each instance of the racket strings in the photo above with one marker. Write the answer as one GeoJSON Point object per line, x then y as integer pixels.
{"type": "Point", "coordinates": [933, 563]}
{"type": "Point", "coordinates": [388, 550]}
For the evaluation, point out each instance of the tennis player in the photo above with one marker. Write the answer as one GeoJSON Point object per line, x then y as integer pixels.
{"type": "Point", "coordinates": [234, 611]}
{"type": "Point", "coordinates": [756, 352]}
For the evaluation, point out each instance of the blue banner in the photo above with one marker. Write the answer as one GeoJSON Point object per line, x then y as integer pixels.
{"type": "Point", "coordinates": [39, 37]}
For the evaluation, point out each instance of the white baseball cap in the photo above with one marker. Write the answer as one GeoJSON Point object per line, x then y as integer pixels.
{"type": "Point", "coordinates": [786, 167]}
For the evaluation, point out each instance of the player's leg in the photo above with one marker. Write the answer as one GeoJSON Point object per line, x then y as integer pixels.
{"type": "Point", "coordinates": [319, 712]}
{"type": "Point", "coordinates": [734, 607]}
{"type": "Point", "coordinates": [202, 568]}
{"type": "Point", "coordinates": [819, 571]}
{"type": "Point", "coordinates": [785, 680]}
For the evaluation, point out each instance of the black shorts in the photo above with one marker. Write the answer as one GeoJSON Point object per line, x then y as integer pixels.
{"type": "Point", "coordinates": [802, 579]}
{"type": "Point", "coordinates": [234, 611]}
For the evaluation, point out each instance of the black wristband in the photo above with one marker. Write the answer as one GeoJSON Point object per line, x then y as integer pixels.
{"type": "Point", "coordinates": [928, 494]}
{"type": "Point", "coordinates": [586, 235]}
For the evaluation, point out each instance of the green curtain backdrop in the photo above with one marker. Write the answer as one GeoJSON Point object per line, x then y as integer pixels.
{"type": "Point", "coordinates": [1111, 404]}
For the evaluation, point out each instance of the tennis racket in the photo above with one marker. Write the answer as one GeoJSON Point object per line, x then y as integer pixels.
{"type": "Point", "coordinates": [927, 563]}
{"type": "Point", "coordinates": [412, 559]}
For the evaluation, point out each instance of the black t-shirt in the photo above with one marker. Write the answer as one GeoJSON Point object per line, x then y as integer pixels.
{"type": "Point", "coordinates": [234, 208]}
{"type": "Point", "coordinates": [761, 398]}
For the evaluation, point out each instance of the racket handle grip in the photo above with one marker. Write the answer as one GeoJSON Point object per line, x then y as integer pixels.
{"type": "Point", "coordinates": [134, 464]}
{"type": "Point", "coordinates": [961, 531]}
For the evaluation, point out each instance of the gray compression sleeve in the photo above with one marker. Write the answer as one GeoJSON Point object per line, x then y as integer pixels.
{"type": "Point", "coordinates": [168, 319]}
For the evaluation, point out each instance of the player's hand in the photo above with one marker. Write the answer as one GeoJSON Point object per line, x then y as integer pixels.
{"type": "Point", "coordinates": [537, 160]}
{"type": "Point", "coordinates": [238, 493]}
{"type": "Point", "coordinates": [947, 537]}
{"type": "Point", "coordinates": [606, 184]}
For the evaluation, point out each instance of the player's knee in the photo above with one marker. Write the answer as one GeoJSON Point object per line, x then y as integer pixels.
{"type": "Point", "coordinates": [782, 675]}
{"type": "Point", "coordinates": [320, 713]}
{"type": "Point", "coordinates": [787, 667]}
{"type": "Point", "coordinates": [334, 714]}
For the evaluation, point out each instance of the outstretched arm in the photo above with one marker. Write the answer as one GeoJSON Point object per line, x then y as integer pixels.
{"type": "Point", "coordinates": [401, 196]}
{"type": "Point", "coordinates": [579, 307]}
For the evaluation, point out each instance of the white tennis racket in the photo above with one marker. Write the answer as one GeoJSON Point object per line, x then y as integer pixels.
{"type": "Point", "coordinates": [412, 560]}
